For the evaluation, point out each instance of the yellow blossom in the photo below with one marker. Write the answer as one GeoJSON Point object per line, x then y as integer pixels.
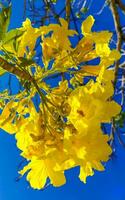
{"type": "Point", "coordinates": [87, 108]}
{"type": "Point", "coordinates": [40, 170]}
{"type": "Point", "coordinates": [85, 149]}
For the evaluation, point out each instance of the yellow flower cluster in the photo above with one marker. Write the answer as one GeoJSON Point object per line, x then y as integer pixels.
{"type": "Point", "coordinates": [66, 132]}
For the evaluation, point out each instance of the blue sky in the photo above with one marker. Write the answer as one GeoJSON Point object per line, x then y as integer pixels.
{"type": "Point", "coordinates": [109, 184]}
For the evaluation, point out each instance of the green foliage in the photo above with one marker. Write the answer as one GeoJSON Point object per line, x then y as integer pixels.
{"type": "Point", "coordinates": [2, 71]}
{"type": "Point", "coordinates": [120, 120]}
{"type": "Point", "coordinates": [84, 10]}
{"type": "Point", "coordinates": [4, 21]}
{"type": "Point", "coordinates": [26, 62]}
{"type": "Point", "coordinates": [11, 39]}
{"type": "Point", "coordinates": [54, 1]}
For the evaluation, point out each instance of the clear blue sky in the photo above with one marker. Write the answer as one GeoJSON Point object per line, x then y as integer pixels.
{"type": "Point", "coordinates": [108, 185]}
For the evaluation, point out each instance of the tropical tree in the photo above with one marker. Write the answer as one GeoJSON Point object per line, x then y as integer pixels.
{"type": "Point", "coordinates": [66, 112]}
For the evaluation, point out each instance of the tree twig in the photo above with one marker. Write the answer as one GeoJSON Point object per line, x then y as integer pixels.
{"type": "Point", "coordinates": [68, 10]}
{"type": "Point", "coordinates": [121, 5]}
{"type": "Point", "coordinates": [118, 29]}
{"type": "Point", "coordinates": [120, 39]}
{"type": "Point", "coordinates": [11, 68]}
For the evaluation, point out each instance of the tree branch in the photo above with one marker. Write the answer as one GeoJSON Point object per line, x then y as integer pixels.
{"type": "Point", "coordinates": [120, 39]}
{"type": "Point", "coordinates": [11, 68]}
{"type": "Point", "coordinates": [68, 10]}
{"type": "Point", "coordinates": [121, 5]}
{"type": "Point", "coordinates": [116, 18]}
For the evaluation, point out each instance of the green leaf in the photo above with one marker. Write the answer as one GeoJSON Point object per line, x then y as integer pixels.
{"type": "Point", "coordinates": [26, 62]}
{"type": "Point", "coordinates": [77, 14]}
{"type": "Point", "coordinates": [4, 21]}
{"type": "Point", "coordinates": [2, 71]}
{"type": "Point", "coordinates": [84, 10]}
{"type": "Point", "coordinates": [10, 41]}
{"type": "Point", "coordinates": [120, 120]}
{"type": "Point", "coordinates": [54, 1]}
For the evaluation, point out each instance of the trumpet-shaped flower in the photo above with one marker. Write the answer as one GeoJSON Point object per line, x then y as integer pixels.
{"type": "Point", "coordinates": [87, 151]}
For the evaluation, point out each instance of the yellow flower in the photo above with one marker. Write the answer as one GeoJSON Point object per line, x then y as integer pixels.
{"type": "Point", "coordinates": [103, 87]}
{"type": "Point", "coordinates": [87, 108]}
{"type": "Point", "coordinates": [40, 170]}
{"type": "Point", "coordinates": [87, 25]}
{"type": "Point", "coordinates": [32, 125]}
{"type": "Point", "coordinates": [28, 39]}
{"type": "Point", "coordinates": [85, 149]}
{"type": "Point", "coordinates": [61, 33]}
{"type": "Point", "coordinates": [101, 41]}
{"type": "Point", "coordinates": [97, 37]}
{"type": "Point", "coordinates": [7, 117]}
{"type": "Point", "coordinates": [58, 44]}
{"type": "Point", "coordinates": [50, 50]}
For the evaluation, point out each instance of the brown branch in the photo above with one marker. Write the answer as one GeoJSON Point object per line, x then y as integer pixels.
{"type": "Point", "coordinates": [118, 29]}
{"type": "Point", "coordinates": [68, 10]}
{"type": "Point", "coordinates": [122, 89]}
{"type": "Point", "coordinates": [24, 11]}
{"type": "Point", "coordinates": [120, 35]}
{"type": "Point", "coordinates": [49, 7]}
{"type": "Point", "coordinates": [120, 38]}
{"type": "Point", "coordinates": [11, 68]}
{"type": "Point", "coordinates": [122, 65]}
{"type": "Point", "coordinates": [121, 5]}
{"type": "Point", "coordinates": [21, 74]}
